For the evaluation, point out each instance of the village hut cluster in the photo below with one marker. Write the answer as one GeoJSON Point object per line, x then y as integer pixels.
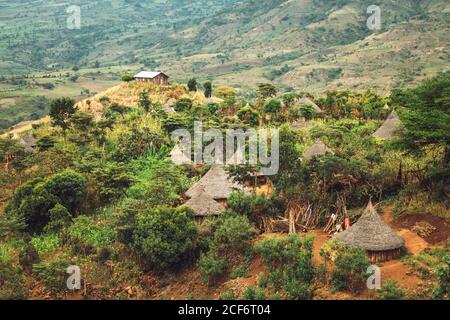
{"type": "Point", "coordinates": [208, 197]}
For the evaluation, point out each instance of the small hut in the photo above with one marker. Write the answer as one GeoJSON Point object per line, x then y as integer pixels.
{"type": "Point", "coordinates": [168, 107]}
{"type": "Point", "coordinates": [388, 129]}
{"type": "Point", "coordinates": [318, 149]}
{"type": "Point", "coordinates": [178, 156]}
{"type": "Point", "coordinates": [373, 235]}
{"type": "Point", "coordinates": [204, 206]}
{"type": "Point", "coordinates": [300, 124]}
{"type": "Point", "coordinates": [308, 102]}
{"type": "Point", "coordinates": [215, 183]}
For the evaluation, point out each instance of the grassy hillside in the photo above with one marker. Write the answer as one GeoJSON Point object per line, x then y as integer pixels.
{"type": "Point", "coordinates": [306, 45]}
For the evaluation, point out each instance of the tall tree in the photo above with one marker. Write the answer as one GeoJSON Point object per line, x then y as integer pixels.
{"type": "Point", "coordinates": [61, 111]}
{"type": "Point", "coordinates": [144, 101]}
{"type": "Point", "coordinates": [426, 116]}
{"type": "Point", "coordinates": [208, 89]}
{"type": "Point", "coordinates": [192, 84]}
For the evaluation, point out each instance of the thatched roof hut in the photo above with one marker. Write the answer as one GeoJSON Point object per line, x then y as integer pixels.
{"type": "Point", "coordinates": [388, 129]}
{"type": "Point", "coordinates": [308, 102]}
{"type": "Point", "coordinates": [178, 156]}
{"type": "Point", "coordinates": [318, 149]}
{"type": "Point", "coordinates": [373, 235]}
{"type": "Point", "coordinates": [168, 107]}
{"type": "Point", "coordinates": [300, 124]}
{"type": "Point", "coordinates": [214, 183]}
{"type": "Point", "coordinates": [204, 206]}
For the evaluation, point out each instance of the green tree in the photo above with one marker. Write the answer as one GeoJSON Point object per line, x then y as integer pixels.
{"type": "Point", "coordinates": [144, 101]}
{"type": "Point", "coordinates": [208, 89]}
{"type": "Point", "coordinates": [163, 236]}
{"type": "Point", "coordinates": [183, 104]}
{"type": "Point", "coordinates": [127, 77]}
{"type": "Point", "coordinates": [61, 111]}
{"type": "Point", "coordinates": [46, 142]}
{"type": "Point", "coordinates": [248, 115]}
{"type": "Point", "coordinates": [272, 106]}
{"type": "Point", "coordinates": [426, 116]}
{"type": "Point", "coordinates": [192, 85]}
{"type": "Point", "coordinates": [69, 187]}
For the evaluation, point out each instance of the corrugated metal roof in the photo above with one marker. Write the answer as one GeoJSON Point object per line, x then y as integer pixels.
{"type": "Point", "coordinates": [147, 74]}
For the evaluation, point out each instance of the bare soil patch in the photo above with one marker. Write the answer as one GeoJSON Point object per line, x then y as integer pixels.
{"type": "Point", "coordinates": [437, 236]}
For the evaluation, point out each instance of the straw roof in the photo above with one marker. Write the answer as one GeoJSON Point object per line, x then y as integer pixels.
{"type": "Point", "coordinates": [309, 102]}
{"type": "Point", "coordinates": [387, 130]}
{"type": "Point", "coordinates": [371, 233]}
{"type": "Point", "coordinates": [317, 150]}
{"type": "Point", "coordinates": [168, 106]}
{"type": "Point", "coordinates": [214, 183]}
{"type": "Point", "coordinates": [300, 124]}
{"type": "Point", "coordinates": [178, 156]}
{"type": "Point", "coordinates": [204, 206]}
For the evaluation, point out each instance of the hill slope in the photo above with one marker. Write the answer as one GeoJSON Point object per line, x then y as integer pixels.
{"type": "Point", "coordinates": [308, 45]}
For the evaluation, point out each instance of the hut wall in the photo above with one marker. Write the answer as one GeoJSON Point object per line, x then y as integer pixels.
{"type": "Point", "coordinates": [382, 256]}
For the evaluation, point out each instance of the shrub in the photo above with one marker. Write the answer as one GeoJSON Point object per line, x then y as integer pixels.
{"type": "Point", "coordinates": [45, 244]}
{"type": "Point", "coordinates": [249, 116]}
{"type": "Point", "coordinates": [60, 218]}
{"type": "Point", "coordinates": [240, 203]}
{"type": "Point", "coordinates": [249, 293]}
{"type": "Point", "coordinates": [52, 274]}
{"type": "Point", "coordinates": [211, 267]}
{"type": "Point", "coordinates": [127, 77]}
{"type": "Point", "coordinates": [163, 236]}
{"type": "Point", "coordinates": [103, 255]}
{"type": "Point", "coordinates": [228, 295]}
{"type": "Point", "coordinates": [273, 106]}
{"type": "Point", "coordinates": [184, 104]}
{"type": "Point", "coordinates": [11, 283]}
{"type": "Point", "coordinates": [391, 291]}
{"type": "Point", "coordinates": [350, 269]}
{"type": "Point", "coordinates": [233, 234]}
{"type": "Point", "coordinates": [92, 231]}
{"type": "Point", "coordinates": [69, 187]}
{"type": "Point", "coordinates": [289, 261]}
{"type": "Point", "coordinates": [443, 290]}
{"type": "Point", "coordinates": [297, 290]}
{"type": "Point", "coordinates": [262, 281]}
{"type": "Point", "coordinates": [31, 202]}
{"type": "Point", "coordinates": [28, 256]}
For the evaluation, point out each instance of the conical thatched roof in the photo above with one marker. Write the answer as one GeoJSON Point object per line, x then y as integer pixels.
{"type": "Point", "coordinates": [204, 206]}
{"type": "Point", "coordinates": [318, 149]}
{"type": "Point", "coordinates": [309, 102]}
{"type": "Point", "coordinates": [178, 156]}
{"type": "Point", "coordinates": [168, 106]}
{"type": "Point", "coordinates": [214, 183]}
{"type": "Point", "coordinates": [299, 124]}
{"type": "Point", "coordinates": [27, 141]}
{"type": "Point", "coordinates": [371, 233]}
{"type": "Point", "coordinates": [387, 130]}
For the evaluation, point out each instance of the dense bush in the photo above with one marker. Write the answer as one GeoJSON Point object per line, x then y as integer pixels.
{"type": "Point", "coordinates": [11, 283]}
{"type": "Point", "coordinates": [184, 104]}
{"type": "Point", "coordinates": [289, 261]}
{"type": "Point", "coordinates": [69, 187]}
{"type": "Point", "coordinates": [230, 247]}
{"type": "Point", "coordinates": [391, 291]}
{"type": "Point", "coordinates": [163, 236]}
{"type": "Point", "coordinates": [443, 289]}
{"type": "Point", "coordinates": [350, 271]}
{"type": "Point", "coordinates": [211, 266]}
{"type": "Point", "coordinates": [52, 274]}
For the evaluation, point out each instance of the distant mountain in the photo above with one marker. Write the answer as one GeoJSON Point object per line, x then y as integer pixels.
{"type": "Point", "coordinates": [298, 44]}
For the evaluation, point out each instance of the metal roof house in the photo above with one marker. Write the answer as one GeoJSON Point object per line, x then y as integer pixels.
{"type": "Point", "coordinates": [152, 76]}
